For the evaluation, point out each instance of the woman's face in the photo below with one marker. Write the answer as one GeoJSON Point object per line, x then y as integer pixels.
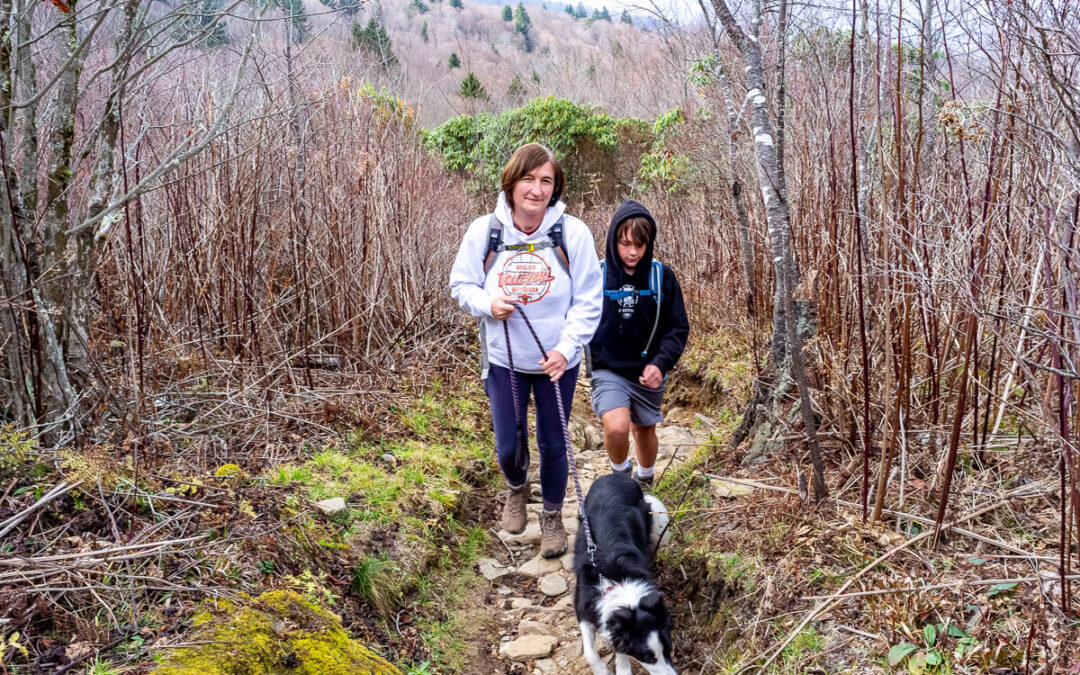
{"type": "Point", "coordinates": [532, 192]}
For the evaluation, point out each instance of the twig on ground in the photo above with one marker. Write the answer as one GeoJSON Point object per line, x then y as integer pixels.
{"type": "Point", "coordinates": [936, 587]}
{"type": "Point", "coordinates": [52, 494]}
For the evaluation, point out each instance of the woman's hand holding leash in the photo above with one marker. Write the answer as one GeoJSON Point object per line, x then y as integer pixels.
{"type": "Point", "coordinates": [501, 308]}
{"type": "Point", "coordinates": [554, 365]}
{"type": "Point", "coordinates": [651, 377]}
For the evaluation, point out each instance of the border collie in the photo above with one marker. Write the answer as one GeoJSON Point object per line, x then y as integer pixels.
{"type": "Point", "coordinates": [616, 596]}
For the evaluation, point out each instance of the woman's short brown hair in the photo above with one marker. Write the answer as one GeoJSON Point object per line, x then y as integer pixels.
{"type": "Point", "coordinates": [525, 159]}
{"type": "Point", "coordinates": [636, 229]}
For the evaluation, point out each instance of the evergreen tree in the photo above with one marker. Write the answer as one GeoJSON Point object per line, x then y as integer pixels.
{"type": "Point", "coordinates": [626, 18]}
{"type": "Point", "coordinates": [522, 22]}
{"type": "Point", "coordinates": [581, 13]}
{"type": "Point", "coordinates": [419, 6]}
{"type": "Point", "coordinates": [297, 16]}
{"type": "Point", "coordinates": [456, 4]}
{"type": "Point", "coordinates": [516, 91]}
{"type": "Point", "coordinates": [347, 7]}
{"type": "Point", "coordinates": [471, 88]}
{"type": "Point", "coordinates": [570, 11]}
{"type": "Point", "coordinates": [536, 77]}
{"type": "Point", "coordinates": [508, 13]}
{"type": "Point", "coordinates": [423, 33]}
{"type": "Point", "coordinates": [200, 20]}
{"type": "Point", "coordinates": [454, 61]}
{"type": "Point", "coordinates": [605, 14]}
{"type": "Point", "coordinates": [373, 38]}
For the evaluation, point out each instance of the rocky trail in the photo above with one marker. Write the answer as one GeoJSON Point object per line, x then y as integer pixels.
{"type": "Point", "coordinates": [529, 599]}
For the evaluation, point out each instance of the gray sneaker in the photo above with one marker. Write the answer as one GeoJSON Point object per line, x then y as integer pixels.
{"type": "Point", "coordinates": [645, 483]}
{"type": "Point", "coordinates": [514, 515]}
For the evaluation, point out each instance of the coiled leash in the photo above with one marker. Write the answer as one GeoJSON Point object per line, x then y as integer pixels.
{"type": "Point", "coordinates": [590, 544]}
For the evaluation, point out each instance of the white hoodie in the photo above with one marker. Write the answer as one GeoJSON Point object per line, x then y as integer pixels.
{"type": "Point", "coordinates": [565, 311]}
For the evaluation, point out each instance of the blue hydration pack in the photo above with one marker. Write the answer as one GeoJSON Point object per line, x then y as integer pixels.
{"type": "Point", "coordinates": [656, 284]}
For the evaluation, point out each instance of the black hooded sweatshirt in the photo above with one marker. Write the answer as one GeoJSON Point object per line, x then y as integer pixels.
{"type": "Point", "coordinates": [625, 324]}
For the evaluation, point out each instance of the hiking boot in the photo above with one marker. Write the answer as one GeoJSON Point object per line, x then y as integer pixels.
{"type": "Point", "coordinates": [552, 535]}
{"type": "Point", "coordinates": [645, 483]}
{"type": "Point", "coordinates": [514, 516]}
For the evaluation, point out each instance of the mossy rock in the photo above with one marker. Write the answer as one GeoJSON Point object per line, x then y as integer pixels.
{"type": "Point", "coordinates": [279, 633]}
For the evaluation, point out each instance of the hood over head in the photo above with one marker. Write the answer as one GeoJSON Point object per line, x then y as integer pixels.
{"type": "Point", "coordinates": [615, 276]}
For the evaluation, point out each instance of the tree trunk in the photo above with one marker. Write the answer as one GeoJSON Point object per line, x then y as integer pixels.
{"type": "Point", "coordinates": [787, 340]}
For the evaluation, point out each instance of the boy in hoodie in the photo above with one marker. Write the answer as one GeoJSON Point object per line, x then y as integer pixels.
{"type": "Point", "coordinates": [637, 342]}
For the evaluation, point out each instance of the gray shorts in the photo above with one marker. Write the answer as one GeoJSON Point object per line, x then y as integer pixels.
{"type": "Point", "coordinates": [611, 390]}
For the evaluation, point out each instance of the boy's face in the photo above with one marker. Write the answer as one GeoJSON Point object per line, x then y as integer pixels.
{"type": "Point", "coordinates": [630, 252]}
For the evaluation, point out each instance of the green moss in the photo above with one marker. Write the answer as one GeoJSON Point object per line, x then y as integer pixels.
{"type": "Point", "coordinates": [278, 633]}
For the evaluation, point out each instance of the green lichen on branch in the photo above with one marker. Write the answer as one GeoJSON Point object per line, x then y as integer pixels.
{"type": "Point", "coordinates": [279, 632]}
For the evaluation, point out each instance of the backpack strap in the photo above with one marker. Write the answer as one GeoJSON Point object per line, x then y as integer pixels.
{"type": "Point", "coordinates": [656, 285]}
{"type": "Point", "coordinates": [555, 240]}
{"type": "Point", "coordinates": [558, 242]}
{"type": "Point", "coordinates": [494, 242]}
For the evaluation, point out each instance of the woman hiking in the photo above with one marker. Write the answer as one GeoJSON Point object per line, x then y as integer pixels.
{"type": "Point", "coordinates": [641, 336]}
{"type": "Point", "coordinates": [530, 253]}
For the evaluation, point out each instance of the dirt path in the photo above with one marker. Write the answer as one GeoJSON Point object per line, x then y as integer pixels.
{"type": "Point", "coordinates": [529, 599]}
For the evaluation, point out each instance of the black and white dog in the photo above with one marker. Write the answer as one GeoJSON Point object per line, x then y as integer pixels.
{"type": "Point", "coordinates": [616, 596]}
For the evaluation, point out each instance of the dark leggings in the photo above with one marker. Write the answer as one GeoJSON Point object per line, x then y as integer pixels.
{"type": "Point", "coordinates": [549, 430]}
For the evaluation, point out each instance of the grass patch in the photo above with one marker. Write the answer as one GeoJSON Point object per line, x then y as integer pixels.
{"type": "Point", "coordinates": [805, 644]}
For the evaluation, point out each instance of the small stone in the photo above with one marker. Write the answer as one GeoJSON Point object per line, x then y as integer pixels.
{"type": "Point", "coordinates": [594, 438]}
{"type": "Point", "coordinates": [529, 647]}
{"type": "Point", "coordinates": [553, 585]}
{"type": "Point", "coordinates": [503, 590]}
{"type": "Point", "coordinates": [538, 567]}
{"type": "Point", "coordinates": [676, 437]}
{"type": "Point", "coordinates": [332, 507]}
{"type": "Point", "coordinates": [535, 495]}
{"type": "Point", "coordinates": [520, 603]}
{"type": "Point", "coordinates": [492, 569]}
{"type": "Point", "coordinates": [728, 490]}
{"type": "Point", "coordinates": [530, 535]}
{"type": "Point", "coordinates": [567, 561]}
{"type": "Point", "coordinates": [705, 421]}
{"type": "Point", "coordinates": [530, 627]}
{"type": "Point", "coordinates": [388, 458]}
{"type": "Point", "coordinates": [545, 667]}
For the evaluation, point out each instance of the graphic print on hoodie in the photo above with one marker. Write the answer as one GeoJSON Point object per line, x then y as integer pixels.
{"type": "Point", "coordinates": [626, 324]}
{"type": "Point", "coordinates": [526, 276]}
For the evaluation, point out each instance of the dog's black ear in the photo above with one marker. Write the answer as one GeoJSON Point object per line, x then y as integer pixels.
{"type": "Point", "coordinates": [622, 618]}
{"type": "Point", "coordinates": [653, 602]}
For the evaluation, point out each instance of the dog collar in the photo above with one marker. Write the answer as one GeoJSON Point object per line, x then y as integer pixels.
{"type": "Point", "coordinates": [606, 585]}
